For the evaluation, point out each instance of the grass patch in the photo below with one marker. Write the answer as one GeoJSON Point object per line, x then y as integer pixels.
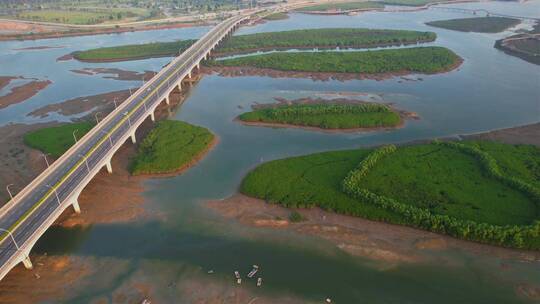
{"type": "Point", "coordinates": [327, 116]}
{"type": "Point", "coordinates": [443, 180]}
{"type": "Point", "coordinates": [415, 60]}
{"type": "Point", "coordinates": [169, 147]}
{"type": "Point", "coordinates": [134, 51]}
{"type": "Point", "coordinates": [56, 140]}
{"type": "Point", "coordinates": [324, 38]}
{"type": "Point", "coordinates": [346, 6]}
{"type": "Point", "coordinates": [476, 24]}
{"type": "Point", "coordinates": [82, 16]}
{"type": "Point", "coordinates": [276, 16]}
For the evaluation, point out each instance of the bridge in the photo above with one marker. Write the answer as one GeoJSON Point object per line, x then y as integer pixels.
{"type": "Point", "coordinates": [26, 217]}
{"type": "Point", "coordinates": [483, 12]}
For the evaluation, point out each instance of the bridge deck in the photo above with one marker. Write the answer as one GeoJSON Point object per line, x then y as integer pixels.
{"type": "Point", "coordinates": [35, 208]}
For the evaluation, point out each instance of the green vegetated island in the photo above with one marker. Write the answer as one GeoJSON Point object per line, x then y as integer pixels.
{"type": "Point", "coordinates": [170, 147]}
{"type": "Point", "coordinates": [277, 16]}
{"type": "Point", "coordinates": [133, 51]}
{"type": "Point", "coordinates": [344, 6]}
{"type": "Point", "coordinates": [475, 190]}
{"type": "Point", "coordinates": [323, 38]}
{"type": "Point", "coordinates": [312, 38]}
{"type": "Point", "coordinates": [54, 141]}
{"type": "Point", "coordinates": [427, 60]}
{"type": "Point", "coordinates": [411, 2]}
{"type": "Point", "coordinates": [326, 116]}
{"type": "Point", "coordinates": [477, 24]}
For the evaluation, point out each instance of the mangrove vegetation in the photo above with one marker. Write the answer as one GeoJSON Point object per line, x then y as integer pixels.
{"type": "Point", "coordinates": [324, 38]}
{"type": "Point", "coordinates": [133, 51]}
{"type": "Point", "coordinates": [475, 190]}
{"type": "Point", "coordinates": [476, 24]}
{"type": "Point", "coordinates": [426, 60]}
{"type": "Point", "coordinates": [170, 147]}
{"type": "Point", "coordinates": [326, 116]}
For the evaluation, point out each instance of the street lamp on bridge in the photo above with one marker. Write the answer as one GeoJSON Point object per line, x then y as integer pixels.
{"type": "Point", "coordinates": [12, 238]}
{"type": "Point", "coordinates": [46, 161]}
{"type": "Point", "coordinates": [75, 137]}
{"type": "Point", "coordinates": [7, 188]}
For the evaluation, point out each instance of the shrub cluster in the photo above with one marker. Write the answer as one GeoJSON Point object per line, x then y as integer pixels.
{"type": "Point", "coordinates": [418, 59]}
{"type": "Point", "coordinates": [508, 235]}
{"type": "Point", "coordinates": [319, 109]}
{"type": "Point", "coordinates": [327, 115]}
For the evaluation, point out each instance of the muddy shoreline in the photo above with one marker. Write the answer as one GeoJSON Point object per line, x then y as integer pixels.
{"type": "Point", "coordinates": [316, 76]}
{"type": "Point", "coordinates": [115, 73]}
{"type": "Point", "coordinates": [358, 236]}
{"type": "Point", "coordinates": [101, 102]}
{"type": "Point", "coordinates": [5, 80]}
{"type": "Point", "coordinates": [23, 92]}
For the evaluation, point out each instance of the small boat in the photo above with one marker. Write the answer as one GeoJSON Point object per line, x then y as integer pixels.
{"type": "Point", "coordinates": [239, 281]}
{"type": "Point", "coordinates": [237, 274]}
{"type": "Point", "coordinates": [253, 271]}
{"type": "Point", "coordinates": [328, 300]}
{"type": "Point", "coordinates": [210, 271]}
{"type": "Point", "coordinates": [259, 282]}
{"type": "Point", "coordinates": [146, 301]}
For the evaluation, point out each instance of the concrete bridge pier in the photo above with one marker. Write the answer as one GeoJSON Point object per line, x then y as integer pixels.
{"type": "Point", "coordinates": [133, 138]}
{"type": "Point", "coordinates": [152, 117]}
{"type": "Point", "coordinates": [167, 101]}
{"type": "Point", "coordinates": [76, 206]}
{"type": "Point", "coordinates": [109, 165]}
{"type": "Point", "coordinates": [27, 263]}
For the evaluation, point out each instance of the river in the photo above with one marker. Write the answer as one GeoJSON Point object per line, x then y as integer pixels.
{"type": "Point", "coordinates": [173, 252]}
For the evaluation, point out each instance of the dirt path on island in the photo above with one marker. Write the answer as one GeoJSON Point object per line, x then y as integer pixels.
{"type": "Point", "coordinates": [23, 92]}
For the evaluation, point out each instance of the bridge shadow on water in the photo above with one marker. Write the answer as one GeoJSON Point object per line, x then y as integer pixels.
{"type": "Point", "coordinates": [286, 267]}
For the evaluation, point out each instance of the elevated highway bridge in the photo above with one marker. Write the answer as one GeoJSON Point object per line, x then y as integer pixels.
{"type": "Point", "coordinates": [26, 217]}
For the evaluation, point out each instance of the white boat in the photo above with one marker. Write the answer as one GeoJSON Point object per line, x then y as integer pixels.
{"type": "Point", "coordinates": [237, 274]}
{"type": "Point", "coordinates": [253, 271]}
{"type": "Point", "coordinates": [259, 282]}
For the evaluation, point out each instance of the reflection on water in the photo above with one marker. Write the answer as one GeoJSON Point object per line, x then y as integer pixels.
{"type": "Point", "coordinates": [490, 90]}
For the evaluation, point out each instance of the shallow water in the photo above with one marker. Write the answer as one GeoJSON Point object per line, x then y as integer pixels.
{"type": "Point", "coordinates": [490, 90]}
